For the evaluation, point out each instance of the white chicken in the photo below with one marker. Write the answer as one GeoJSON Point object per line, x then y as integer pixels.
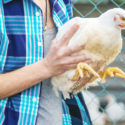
{"type": "Point", "coordinates": [102, 37]}
{"type": "Point", "coordinates": [93, 103]}
{"type": "Point", "coordinates": [114, 108]}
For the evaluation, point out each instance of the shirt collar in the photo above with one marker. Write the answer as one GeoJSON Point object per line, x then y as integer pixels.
{"type": "Point", "coordinates": [7, 1]}
{"type": "Point", "coordinates": [51, 2]}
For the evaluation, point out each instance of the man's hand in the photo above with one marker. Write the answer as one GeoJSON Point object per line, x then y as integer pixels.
{"type": "Point", "coordinates": [59, 58]}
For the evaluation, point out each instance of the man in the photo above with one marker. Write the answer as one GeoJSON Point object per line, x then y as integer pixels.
{"type": "Point", "coordinates": [23, 42]}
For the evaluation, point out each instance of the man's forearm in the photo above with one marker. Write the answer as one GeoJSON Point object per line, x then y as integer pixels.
{"type": "Point", "coordinates": [58, 60]}
{"type": "Point", "coordinates": [16, 81]}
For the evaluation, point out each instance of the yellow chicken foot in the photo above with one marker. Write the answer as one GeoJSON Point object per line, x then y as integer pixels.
{"type": "Point", "coordinates": [111, 72]}
{"type": "Point", "coordinates": [83, 69]}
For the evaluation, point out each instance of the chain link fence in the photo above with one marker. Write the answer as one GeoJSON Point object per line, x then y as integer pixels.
{"type": "Point", "coordinates": [106, 102]}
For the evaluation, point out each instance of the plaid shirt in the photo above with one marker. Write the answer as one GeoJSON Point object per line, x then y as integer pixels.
{"type": "Point", "coordinates": [22, 43]}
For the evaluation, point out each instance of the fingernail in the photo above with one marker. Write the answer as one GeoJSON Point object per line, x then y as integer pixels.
{"type": "Point", "coordinates": [90, 61]}
{"type": "Point", "coordinates": [76, 25]}
{"type": "Point", "coordinates": [83, 46]}
{"type": "Point", "coordinates": [80, 46]}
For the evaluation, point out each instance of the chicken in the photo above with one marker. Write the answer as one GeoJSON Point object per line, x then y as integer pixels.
{"type": "Point", "coordinates": [93, 104]}
{"type": "Point", "coordinates": [114, 107]}
{"type": "Point", "coordinates": [103, 42]}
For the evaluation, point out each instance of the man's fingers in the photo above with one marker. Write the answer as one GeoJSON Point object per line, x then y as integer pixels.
{"type": "Point", "coordinates": [72, 49]}
{"type": "Point", "coordinates": [75, 60]}
{"type": "Point", "coordinates": [68, 35]}
{"type": "Point", "coordinates": [67, 51]}
{"type": "Point", "coordinates": [89, 61]}
{"type": "Point", "coordinates": [73, 66]}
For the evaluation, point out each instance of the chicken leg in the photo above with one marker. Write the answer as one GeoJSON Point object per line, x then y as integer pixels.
{"type": "Point", "coordinates": [111, 72]}
{"type": "Point", "coordinates": [83, 69]}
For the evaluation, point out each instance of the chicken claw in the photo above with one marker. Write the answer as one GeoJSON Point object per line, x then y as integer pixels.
{"type": "Point", "coordinates": [111, 72]}
{"type": "Point", "coordinates": [83, 69]}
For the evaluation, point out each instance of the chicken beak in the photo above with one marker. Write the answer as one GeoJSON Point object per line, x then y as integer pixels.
{"type": "Point", "coordinates": [122, 25]}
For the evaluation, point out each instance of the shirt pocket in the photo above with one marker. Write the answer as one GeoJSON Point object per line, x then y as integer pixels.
{"type": "Point", "coordinates": [15, 25]}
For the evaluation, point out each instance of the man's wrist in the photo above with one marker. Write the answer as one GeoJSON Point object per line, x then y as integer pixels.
{"type": "Point", "coordinates": [45, 69]}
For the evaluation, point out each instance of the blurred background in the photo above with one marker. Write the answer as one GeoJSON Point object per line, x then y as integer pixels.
{"type": "Point", "coordinates": [106, 102]}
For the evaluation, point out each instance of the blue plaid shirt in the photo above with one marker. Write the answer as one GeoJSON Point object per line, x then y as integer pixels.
{"type": "Point", "coordinates": [22, 43]}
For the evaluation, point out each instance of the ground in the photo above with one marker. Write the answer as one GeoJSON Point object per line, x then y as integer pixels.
{"type": "Point", "coordinates": [121, 123]}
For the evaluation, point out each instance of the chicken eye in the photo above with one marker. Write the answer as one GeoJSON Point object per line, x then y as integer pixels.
{"type": "Point", "coordinates": [123, 18]}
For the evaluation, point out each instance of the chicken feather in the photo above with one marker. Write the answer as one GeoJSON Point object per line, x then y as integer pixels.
{"type": "Point", "coordinates": [102, 37]}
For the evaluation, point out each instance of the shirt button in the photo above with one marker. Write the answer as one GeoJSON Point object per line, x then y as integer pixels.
{"type": "Point", "coordinates": [34, 99]}
{"type": "Point", "coordinates": [39, 43]}
{"type": "Point", "coordinates": [37, 14]}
